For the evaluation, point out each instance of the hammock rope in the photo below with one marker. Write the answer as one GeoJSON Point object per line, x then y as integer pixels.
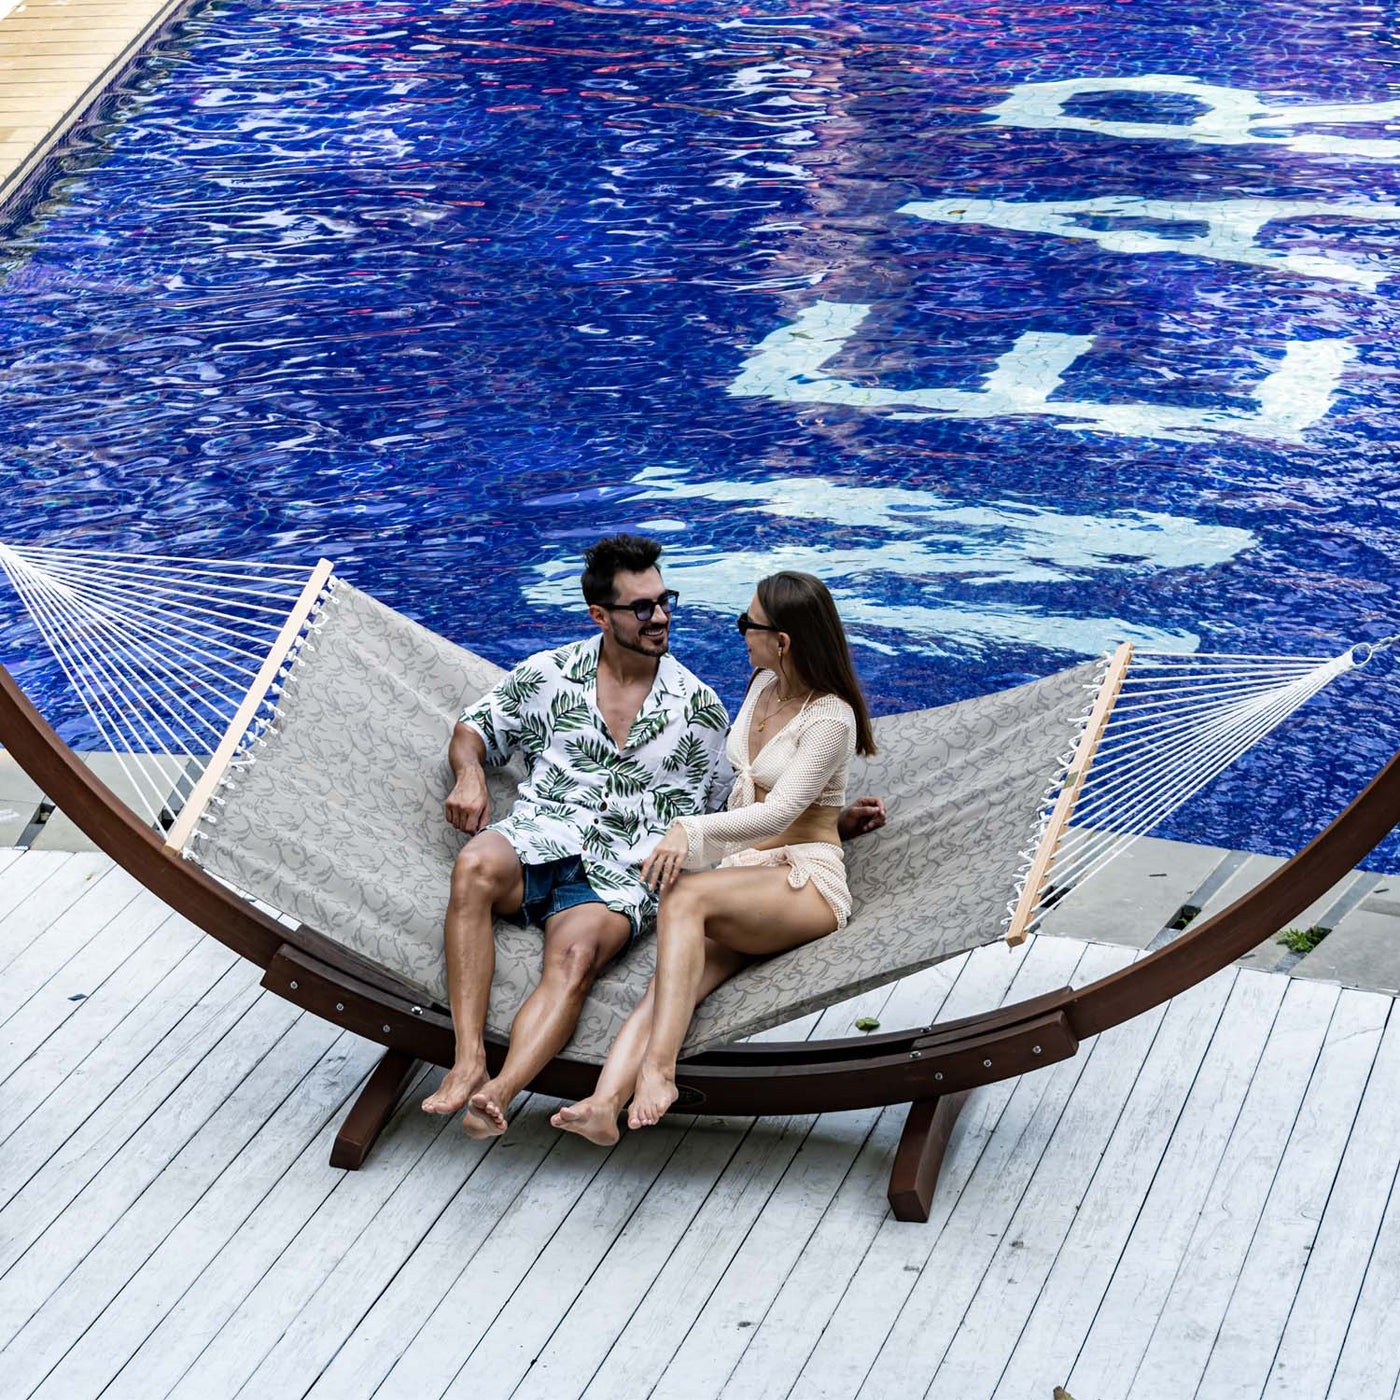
{"type": "Point", "coordinates": [165, 652]}
{"type": "Point", "coordinates": [1178, 721]}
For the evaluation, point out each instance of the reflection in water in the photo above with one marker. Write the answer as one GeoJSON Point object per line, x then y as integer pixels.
{"type": "Point", "coordinates": [444, 291]}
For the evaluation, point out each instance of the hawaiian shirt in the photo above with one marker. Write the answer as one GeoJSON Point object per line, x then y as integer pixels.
{"type": "Point", "coordinates": [584, 796]}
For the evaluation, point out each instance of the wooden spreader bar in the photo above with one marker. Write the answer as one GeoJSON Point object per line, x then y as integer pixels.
{"type": "Point", "coordinates": [1044, 858]}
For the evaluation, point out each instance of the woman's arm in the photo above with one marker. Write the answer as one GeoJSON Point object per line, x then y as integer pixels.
{"type": "Point", "coordinates": [822, 747]}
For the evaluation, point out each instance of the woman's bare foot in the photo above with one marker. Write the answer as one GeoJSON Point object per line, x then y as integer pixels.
{"type": "Point", "coordinates": [486, 1112]}
{"type": "Point", "coordinates": [655, 1093]}
{"type": "Point", "coordinates": [593, 1118]}
{"type": "Point", "coordinates": [457, 1087]}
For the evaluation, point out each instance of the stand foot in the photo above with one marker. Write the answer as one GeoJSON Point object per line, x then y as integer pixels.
{"type": "Point", "coordinates": [371, 1110]}
{"type": "Point", "coordinates": [920, 1155]}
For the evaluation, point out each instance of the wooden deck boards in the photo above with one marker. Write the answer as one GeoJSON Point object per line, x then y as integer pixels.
{"type": "Point", "coordinates": [56, 57]}
{"type": "Point", "coordinates": [1200, 1203]}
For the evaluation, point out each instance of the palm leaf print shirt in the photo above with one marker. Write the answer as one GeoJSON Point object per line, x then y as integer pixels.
{"type": "Point", "coordinates": [582, 795]}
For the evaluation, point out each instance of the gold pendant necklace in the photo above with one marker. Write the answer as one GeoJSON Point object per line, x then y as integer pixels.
{"type": "Point", "coordinates": [763, 723]}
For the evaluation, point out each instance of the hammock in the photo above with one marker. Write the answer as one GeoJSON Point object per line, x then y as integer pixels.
{"type": "Point", "coordinates": [325, 716]}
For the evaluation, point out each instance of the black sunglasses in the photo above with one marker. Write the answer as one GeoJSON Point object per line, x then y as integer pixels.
{"type": "Point", "coordinates": [642, 608]}
{"type": "Point", "coordinates": [746, 624]}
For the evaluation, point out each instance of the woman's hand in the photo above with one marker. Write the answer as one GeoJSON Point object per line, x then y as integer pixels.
{"type": "Point", "coordinates": [660, 868]}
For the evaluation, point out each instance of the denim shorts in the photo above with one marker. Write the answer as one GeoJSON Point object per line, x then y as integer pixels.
{"type": "Point", "coordinates": [551, 887]}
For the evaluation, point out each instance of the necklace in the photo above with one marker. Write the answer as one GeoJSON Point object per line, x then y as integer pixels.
{"type": "Point", "coordinates": [763, 723]}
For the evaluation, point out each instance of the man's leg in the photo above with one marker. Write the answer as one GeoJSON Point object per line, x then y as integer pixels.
{"type": "Point", "coordinates": [486, 878]}
{"type": "Point", "coordinates": [578, 943]}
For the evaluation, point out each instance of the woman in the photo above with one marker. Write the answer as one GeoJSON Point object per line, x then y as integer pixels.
{"type": "Point", "coordinates": [781, 879]}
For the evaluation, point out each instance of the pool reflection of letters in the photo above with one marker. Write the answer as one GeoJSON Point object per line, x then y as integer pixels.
{"type": "Point", "coordinates": [1231, 116]}
{"type": "Point", "coordinates": [787, 366]}
{"type": "Point", "coordinates": [1229, 227]}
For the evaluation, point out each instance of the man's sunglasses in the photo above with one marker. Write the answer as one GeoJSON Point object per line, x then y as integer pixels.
{"type": "Point", "coordinates": [642, 608]}
{"type": "Point", "coordinates": [746, 624]}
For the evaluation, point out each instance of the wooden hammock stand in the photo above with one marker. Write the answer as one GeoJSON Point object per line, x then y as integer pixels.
{"type": "Point", "coordinates": [928, 1067]}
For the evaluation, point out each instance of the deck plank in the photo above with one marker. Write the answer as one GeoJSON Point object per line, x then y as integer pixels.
{"type": "Point", "coordinates": [119, 1222]}
{"type": "Point", "coordinates": [170, 1224]}
{"type": "Point", "coordinates": [454, 1169]}
{"type": "Point", "coordinates": [883, 1277]}
{"type": "Point", "coordinates": [185, 1252]}
{"type": "Point", "coordinates": [953, 1269]}
{"type": "Point", "coordinates": [1196, 1076]}
{"type": "Point", "coordinates": [65, 1054]}
{"type": "Point", "coordinates": [401, 1307]}
{"type": "Point", "coordinates": [1370, 1359]}
{"type": "Point", "coordinates": [191, 1323]}
{"type": "Point", "coordinates": [1336, 1265]}
{"type": "Point", "coordinates": [60, 1226]}
{"type": "Point", "coordinates": [1249, 1335]}
{"type": "Point", "coordinates": [77, 1129]}
{"type": "Point", "coordinates": [618, 1292]}
{"type": "Point", "coordinates": [713, 1344]}
{"type": "Point", "coordinates": [276, 1298]}
{"type": "Point", "coordinates": [103, 895]}
{"type": "Point", "coordinates": [83, 977]}
{"type": "Point", "coordinates": [1110, 1137]}
{"type": "Point", "coordinates": [1173, 1281]}
{"type": "Point", "coordinates": [21, 882]}
{"type": "Point", "coordinates": [794, 1323]}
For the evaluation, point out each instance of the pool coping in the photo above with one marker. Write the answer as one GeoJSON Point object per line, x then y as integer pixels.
{"type": "Point", "coordinates": [50, 79]}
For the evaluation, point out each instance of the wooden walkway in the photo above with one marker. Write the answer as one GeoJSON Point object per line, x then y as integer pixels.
{"type": "Point", "coordinates": [1199, 1204]}
{"type": "Point", "coordinates": [56, 57]}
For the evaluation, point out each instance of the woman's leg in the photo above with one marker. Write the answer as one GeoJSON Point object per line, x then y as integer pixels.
{"type": "Point", "coordinates": [749, 910]}
{"type": "Point", "coordinates": [596, 1116]}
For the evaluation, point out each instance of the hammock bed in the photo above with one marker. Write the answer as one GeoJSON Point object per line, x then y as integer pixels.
{"type": "Point", "coordinates": [317, 789]}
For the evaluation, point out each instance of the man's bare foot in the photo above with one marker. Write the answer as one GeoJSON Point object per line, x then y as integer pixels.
{"type": "Point", "coordinates": [486, 1112]}
{"type": "Point", "coordinates": [458, 1085]}
{"type": "Point", "coordinates": [655, 1093]}
{"type": "Point", "coordinates": [593, 1118]}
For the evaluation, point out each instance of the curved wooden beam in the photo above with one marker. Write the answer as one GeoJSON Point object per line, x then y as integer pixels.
{"type": "Point", "coordinates": [1256, 915]}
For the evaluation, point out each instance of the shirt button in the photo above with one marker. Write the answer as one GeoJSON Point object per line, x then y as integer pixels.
{"type": "Point", "coordinates": [602, 806]}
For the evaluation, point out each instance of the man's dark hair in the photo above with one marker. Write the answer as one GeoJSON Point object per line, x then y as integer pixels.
{"type": "Point", "coordinates": [633, 554]}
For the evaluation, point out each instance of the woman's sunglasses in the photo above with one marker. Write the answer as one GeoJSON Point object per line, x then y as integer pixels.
{"type": "Point", "coordinates": [746, 624]}
{"type": "Point", "coordinates": [642, 608]}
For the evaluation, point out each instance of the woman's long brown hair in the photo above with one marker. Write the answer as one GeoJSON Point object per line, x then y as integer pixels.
{"type": "Point", "coordinates": [802, 606]}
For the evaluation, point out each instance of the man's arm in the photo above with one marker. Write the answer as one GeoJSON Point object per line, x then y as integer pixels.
{"type": "Point", "coordinates": [468, 806]}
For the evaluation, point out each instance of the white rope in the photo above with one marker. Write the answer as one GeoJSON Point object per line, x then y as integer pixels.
{"type": "Point", "coordinates": [162, 658]}
{"type": "Point", "coordinates": [1171, 732]}
{"type": "Point", "coordinates": [156, 648]}
{"type": "Point", "coordinates": [94, 581]}
{"type": "Point", "coordinates": [1147, 793]}
{"type": "Point", "coordinates": [117, 738]}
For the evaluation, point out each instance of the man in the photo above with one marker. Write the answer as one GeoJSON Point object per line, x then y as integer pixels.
{"type": "Point", "coordinates": [620, 740]}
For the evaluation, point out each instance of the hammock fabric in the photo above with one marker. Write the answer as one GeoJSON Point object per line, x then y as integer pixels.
{"type": "Point", "coordinates": [336, 817]}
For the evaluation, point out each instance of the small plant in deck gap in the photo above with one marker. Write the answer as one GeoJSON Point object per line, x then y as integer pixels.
{"type": "Point", "coordinates": [1302, 940]}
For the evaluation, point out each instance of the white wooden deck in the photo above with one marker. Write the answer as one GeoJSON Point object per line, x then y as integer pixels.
{"type": "Point", "coordinates": [1199, 1204]}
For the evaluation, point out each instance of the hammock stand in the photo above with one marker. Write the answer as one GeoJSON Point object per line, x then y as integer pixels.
{"type": "Point", "coordinates": [929, 1067]}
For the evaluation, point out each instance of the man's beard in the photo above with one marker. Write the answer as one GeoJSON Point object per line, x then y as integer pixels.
{"type": "Point", "coordinates": [646, 646]}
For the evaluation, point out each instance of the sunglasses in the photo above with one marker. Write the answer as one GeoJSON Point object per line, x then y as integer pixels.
{"type": "Point", "coordinates": [642, 608]}
{"type": "Point", "coordinates": [746, 625]}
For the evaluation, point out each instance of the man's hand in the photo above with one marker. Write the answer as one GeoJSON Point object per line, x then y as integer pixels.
{"type": "Point", "coordinates": [662, 866]}
{"type": "Point", "coordinates": [864, 815]}
{"type": "Point", "coordinates": [468, 807]}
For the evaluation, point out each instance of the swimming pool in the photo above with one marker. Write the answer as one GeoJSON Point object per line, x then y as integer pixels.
{"type": "Point", "coordinates": [1021, 363]}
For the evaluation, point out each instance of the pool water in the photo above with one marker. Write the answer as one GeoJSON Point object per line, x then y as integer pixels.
{"type": "Point", "coordinates": [1020, 363]}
